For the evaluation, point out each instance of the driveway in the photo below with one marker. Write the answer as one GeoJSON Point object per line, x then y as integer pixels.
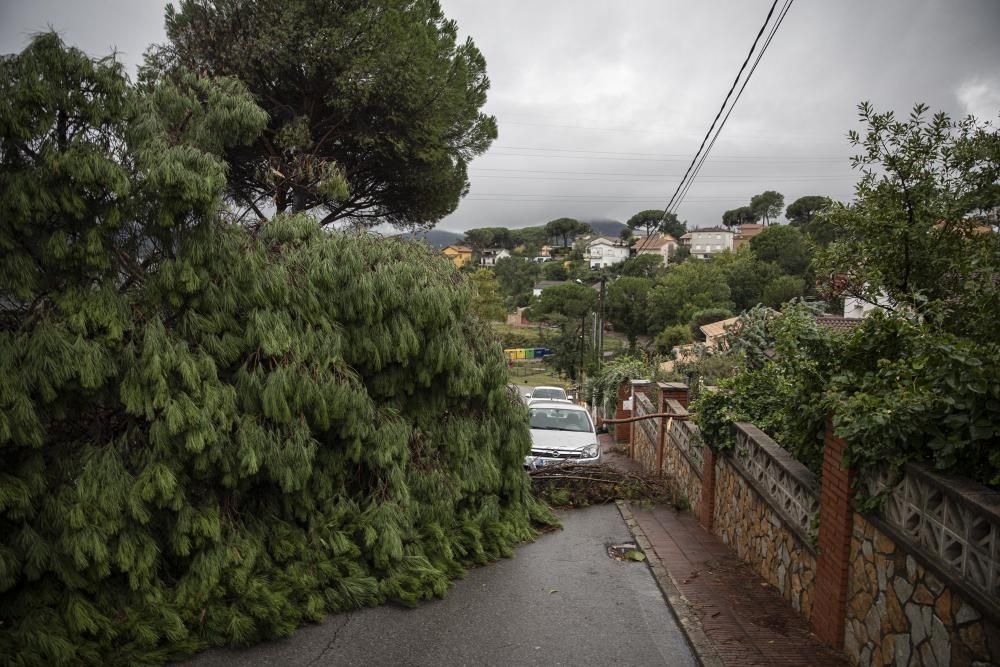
{"type": "Point", "coordinates": [560, 600]}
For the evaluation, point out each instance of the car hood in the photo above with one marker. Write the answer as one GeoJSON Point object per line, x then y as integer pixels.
{"type": "Point", "coordinates": [563, 440]}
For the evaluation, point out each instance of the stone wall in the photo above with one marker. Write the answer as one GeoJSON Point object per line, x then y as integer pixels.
{"type": "Point", "coordinates": [682, 456]}
{"type": "Point", "coordinates": [900, 612]}
{"type": "Point", "coordinates": [747, 523]}
{"type": "Point", "coordinates": [644, 433]}
{"type": "Point", "coordinates": [917, 583]}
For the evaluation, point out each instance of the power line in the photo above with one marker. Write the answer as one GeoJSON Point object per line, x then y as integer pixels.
{"type": "Point", "coordinates": [677, 155]}
{"type": "Point", "coordinates": [630, 158]}
{"type": "Point", "coordinates": [798, 138]}
{"type": "Point", "coordinates": [518, 170]}
{"type": "Point", "coordinates": [713, 179]}
{"type": "Point", "coordinates": [767, 42]}
{"type": "Point", "coordinates": [684, 183]}
{"type": "Point", "coordinates": [722, 108]}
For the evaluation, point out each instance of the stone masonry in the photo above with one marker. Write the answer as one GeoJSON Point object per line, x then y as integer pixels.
{"type": "Point", "coordinates": [900, 613]}
{"type": "Point", "coordinates": [750, 527]}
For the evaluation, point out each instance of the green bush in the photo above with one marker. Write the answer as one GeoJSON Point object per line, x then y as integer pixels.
{"type": "Point", "coordinates": [898, 390]}
{"type": "Point", "coordinates": [672, 336]}
{"type": "Point", "coordinates": [209, 433]}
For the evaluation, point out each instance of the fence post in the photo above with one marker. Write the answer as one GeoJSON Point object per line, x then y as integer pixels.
{"type": "Point", "coordinates": [623, 432]}
{"type": "Point", "coordinates": [643, 387]}
{"type": "Point", "coordinates": [836, 514]}
{"type": "Point", "coordinates": [673, 391]}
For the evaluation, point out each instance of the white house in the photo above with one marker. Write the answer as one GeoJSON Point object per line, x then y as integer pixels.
{"type": "Point", "coordinates": [855, 308]}
{"type": "Point", "coordinates": [603, 252]}
{"type": "Point", "coordinates": [489, 256]}
{"type": "Point", "coordinates": [662, 245]}
{"type": "Point", "coordinates": [708, 241]}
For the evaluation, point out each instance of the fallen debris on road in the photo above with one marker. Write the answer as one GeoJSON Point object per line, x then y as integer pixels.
{"type": "Point", "coordinates": [580, 485]}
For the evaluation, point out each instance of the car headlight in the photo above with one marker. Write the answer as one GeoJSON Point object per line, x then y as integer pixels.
{"type": "Point", "coordinates": [590, 451]}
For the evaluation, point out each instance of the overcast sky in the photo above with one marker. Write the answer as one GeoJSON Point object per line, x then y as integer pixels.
{"type": "Point", "coordinates": [601, 106]}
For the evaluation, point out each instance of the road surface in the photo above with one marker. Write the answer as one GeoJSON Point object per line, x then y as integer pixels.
{"type": "Point", "coordinates": [560, 600]}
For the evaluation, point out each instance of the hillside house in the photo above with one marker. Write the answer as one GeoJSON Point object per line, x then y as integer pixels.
{"type": "Point", "coordinates": [459, 254]}
{"type": "Point", "coordinates": [488, 257]}
{"type": "Point", "coordinates": [662, 245]}
{"type": "Point", "coordinates": [603, 252]}
{"type": "Point", "coordinates": [708, 241]}
{"type": "Point", "coordinates": [744, 233]}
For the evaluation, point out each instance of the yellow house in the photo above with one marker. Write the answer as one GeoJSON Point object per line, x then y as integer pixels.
{"type": "Point", "coordinates": [459, 254]}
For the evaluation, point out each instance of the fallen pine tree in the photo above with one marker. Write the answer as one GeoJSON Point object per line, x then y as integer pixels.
{"type": "Point", "coordinates": [212, 433]}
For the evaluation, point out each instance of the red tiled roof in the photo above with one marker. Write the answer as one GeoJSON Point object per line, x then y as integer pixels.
{"type": "Point", "coordinates": [838, 323]}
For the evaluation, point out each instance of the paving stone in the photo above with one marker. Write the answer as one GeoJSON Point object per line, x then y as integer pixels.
{"type": "Point", "coordinates": [753, 624]}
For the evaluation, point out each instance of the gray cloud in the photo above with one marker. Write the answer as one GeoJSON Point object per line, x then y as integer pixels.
{"type": "Point", "coordinates": [602, 106]}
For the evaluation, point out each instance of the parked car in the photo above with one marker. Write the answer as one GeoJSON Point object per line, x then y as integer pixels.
{"type": "Point", "coordinates": [546, 394]}
{"type": "Point", "coordinates": [561, 432]}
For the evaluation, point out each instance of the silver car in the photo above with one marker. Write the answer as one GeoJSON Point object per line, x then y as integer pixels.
{"type": "Point", "coordinates": [561, 432]}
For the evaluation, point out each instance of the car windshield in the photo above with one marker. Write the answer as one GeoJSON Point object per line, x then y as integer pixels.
{"type": "Point", "coordinates": [555, 419]}
{"type": "Point", "coordinates": [548, 392]}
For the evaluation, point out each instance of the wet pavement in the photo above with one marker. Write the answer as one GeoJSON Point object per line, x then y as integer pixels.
{"type": "Point", "coordinates": [561, 600]}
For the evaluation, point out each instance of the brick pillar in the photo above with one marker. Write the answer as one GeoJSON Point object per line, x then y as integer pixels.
{"type": "Point", "coordinates": [833, 550]}
{"type": "Point", "coordinates": [673, 391]}
{"type": "Point", "coordinates": [706, 504]}
{"type": "Point", "coordinates": [646, 388]}
{"type": "Point", "coordinates": [623, 432]}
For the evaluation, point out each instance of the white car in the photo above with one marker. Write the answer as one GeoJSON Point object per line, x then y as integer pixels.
{"type": "Point", "coordinates": [546, 394]}
{"type": "Point", "coordinates": [561, 432]}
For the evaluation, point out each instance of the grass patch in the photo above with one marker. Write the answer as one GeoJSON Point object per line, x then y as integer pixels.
{"type": "Point", "coordinates": [535, 374]}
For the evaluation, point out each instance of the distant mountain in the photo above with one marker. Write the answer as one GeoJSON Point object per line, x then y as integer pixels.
{"type": "Point", "coordinates": [436, 238]}
{"type": "Point", "coordinates": [610, 228]}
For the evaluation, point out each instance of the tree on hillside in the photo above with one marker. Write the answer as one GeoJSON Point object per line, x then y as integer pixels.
{"type": "Point", "coordinates": [533, 238]}
{"type": "Point", "coordinates": [785, 246]}
{"type": "Point", "coordinates": [687, 288]}
{"type": "Point", "coordinates": [643, 266]}
{"type": "Point", "coordinates": [566, 229]}
{"type": "Point", "coordinates": [626, 306]}
{"type": "Point", "coordinates": [781, 290]}
{"type": "Point", "coordinates": [803, 210]}
{"type": "Point", "coordinates": [806, 214]}
{"type": "Point", "coordinates": [554, 271]}
{"type": "Point", "coordinates": [487, 302]}
{"type": "Point", "coordinates": [916, 232]}
{"type": "Point", "coordinates": [767, 206]}
{"type": "Point", "coordinates": [516, 277]}
{"type": "Point", "coordinates": [489, 237]}
{"type": "Point", "coordinates": [567, 307]}
{"type": "Point", "coordinates": [747, 277]}
{"type": "Point", "coordinates": [744, 215]}
{"type": "Point", "coordinates": [374, 108]}
{"type": "Point", "coordinates": [656, 221]}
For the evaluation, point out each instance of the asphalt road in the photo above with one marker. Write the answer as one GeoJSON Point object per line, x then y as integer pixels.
{"type": "Point", "coordinates": [560, 600]}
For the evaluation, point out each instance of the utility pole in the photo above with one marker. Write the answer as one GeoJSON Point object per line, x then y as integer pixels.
{"type": "Point", "coordinates": [599, 341]}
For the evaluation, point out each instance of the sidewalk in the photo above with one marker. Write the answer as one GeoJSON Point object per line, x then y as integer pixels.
{"type": "Point", "coordinates": [731, 615]}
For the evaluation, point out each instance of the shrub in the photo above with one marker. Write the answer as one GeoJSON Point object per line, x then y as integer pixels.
{"type": "Point", "coordinates": [672, 336]}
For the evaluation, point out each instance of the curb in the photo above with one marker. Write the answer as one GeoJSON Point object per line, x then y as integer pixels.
{"type": "Point", "coordinates": [679, 605]}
